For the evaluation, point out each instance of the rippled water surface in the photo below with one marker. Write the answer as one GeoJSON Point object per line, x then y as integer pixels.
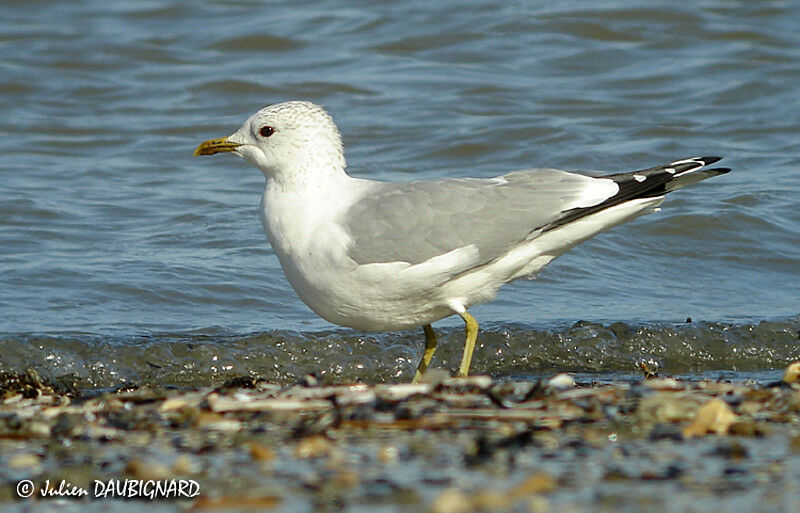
{"type": "Point", "coordinates": [114, 239]}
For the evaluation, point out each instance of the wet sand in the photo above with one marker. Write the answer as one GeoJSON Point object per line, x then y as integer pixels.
{"type": "Point", "coordinates": [446, 446]}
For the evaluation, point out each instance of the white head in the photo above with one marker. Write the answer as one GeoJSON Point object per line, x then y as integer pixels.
{"type": "Point", "coordinates": [293, 141]}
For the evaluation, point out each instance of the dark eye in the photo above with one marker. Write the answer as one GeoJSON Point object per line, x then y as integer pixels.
{"type": "Point", "coordinates": [266, 131]}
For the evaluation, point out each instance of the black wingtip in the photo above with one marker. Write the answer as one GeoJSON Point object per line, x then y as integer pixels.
{"type": "Point", "coordinates": [709, 160]}
{"type": "Point", "coordinates": [721, 170]}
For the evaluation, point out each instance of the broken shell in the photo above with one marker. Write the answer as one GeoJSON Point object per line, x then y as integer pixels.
{"type": "Point", "coordinates": [561, 381]}
{"type": "Point", "coordinates": [792, 373]}
{"type": "Point", "coordinates": [715, 417]}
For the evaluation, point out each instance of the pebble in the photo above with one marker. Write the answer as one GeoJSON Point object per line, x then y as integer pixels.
{"type": "Point", "coordinates": [792, 373]}
{"type": "Point", "coordinates": [452, 501]}
{"type": "Point", "coordinates": [403, 391]}
{"type": "Point", "coordinates": [313, 447]}
{"type": "Point", "coordinates": [541, 482]}
{"type": "Point", "coordinates": [221, 404]}
{"type": "Point", "coordinates": [388, 453]}
{"type": "Point", "coordinates": [260, 452]}
{"type": "Point", "coordinates": [147, 470]}
{"type": "Point", "coordinates": [185, 465]}
{"type": "Point", "coordinates": [714, 417]}
{"type": "Point", "coordinates": [538, 504]}
{"type": "Point", "coordinates": [664, 384]}
{"type": "Point", "coordinates": [667, 407]}
{"type": "Point", "coordinates": [216, 422]}
{"type": "Point", "coordinates": [177, 403]}
{"type": "Point", "coordinates": [24, 461]}
{"type": "Point", "coordinates": [794, 444]}
{"type": "Point", "coordinates": [561, 381]}
{"type": "Point", "coordinates": [346, 478]}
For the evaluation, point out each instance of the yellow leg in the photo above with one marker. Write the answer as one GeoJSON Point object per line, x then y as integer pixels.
{"type": "Point", "coordinates": [469, 345]}
{"type": "Point", "coordinates": [430, 348]}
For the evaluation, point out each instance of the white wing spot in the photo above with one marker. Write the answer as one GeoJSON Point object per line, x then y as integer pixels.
{"type": "Point", "coordinates": [693, 160]}
{"type": "Point", "coordinates": [639, 178]}
{"type": "Point", "coordinates": [670, 170]}
{"type": "Point", "coordinates": [597, 191]}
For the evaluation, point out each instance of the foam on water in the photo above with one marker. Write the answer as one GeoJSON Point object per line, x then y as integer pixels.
{"type": "Point", "coordinates": [212, 357]}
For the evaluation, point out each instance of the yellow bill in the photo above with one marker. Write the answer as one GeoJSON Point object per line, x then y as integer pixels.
{"type": "Point", "coordinates": [214, 146]}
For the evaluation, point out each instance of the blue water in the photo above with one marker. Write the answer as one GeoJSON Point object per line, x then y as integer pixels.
{"type": "Point", "coordinates": [109, 227]}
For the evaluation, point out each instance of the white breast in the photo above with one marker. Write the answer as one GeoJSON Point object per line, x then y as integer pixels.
{"type": "Point", "coordinates": [312, 248]}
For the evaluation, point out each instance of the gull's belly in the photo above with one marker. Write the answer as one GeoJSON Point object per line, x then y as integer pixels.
{"type": "Point", "coordinates": [348, 296]}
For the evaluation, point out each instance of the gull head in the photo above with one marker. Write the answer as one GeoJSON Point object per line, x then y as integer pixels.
{"type": "Point", "coordinates": [287, 141]}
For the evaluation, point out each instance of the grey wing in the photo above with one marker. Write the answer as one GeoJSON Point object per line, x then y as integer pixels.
{"type": "Point", "coordinates": [415, 221]}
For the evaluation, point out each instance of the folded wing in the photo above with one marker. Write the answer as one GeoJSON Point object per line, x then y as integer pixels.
{"type": "Point", "coordinates": [413, 222]}
{"type": "Point", "coordinates": [416, 221]}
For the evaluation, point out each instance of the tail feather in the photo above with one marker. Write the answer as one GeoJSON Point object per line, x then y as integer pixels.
{"type": "Point", "coordinates": [650, 183]}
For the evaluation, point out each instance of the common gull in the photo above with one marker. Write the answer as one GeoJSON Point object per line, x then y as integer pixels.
{"type": "Point", "coordinates": [381, 256]}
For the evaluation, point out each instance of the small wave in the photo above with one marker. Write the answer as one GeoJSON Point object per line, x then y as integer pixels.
{"type": "Point", "coordinates": [206, 358]}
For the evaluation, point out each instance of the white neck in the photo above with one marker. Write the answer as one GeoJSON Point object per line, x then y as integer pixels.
{"type": "Point", "coordinates": [312, 172]}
